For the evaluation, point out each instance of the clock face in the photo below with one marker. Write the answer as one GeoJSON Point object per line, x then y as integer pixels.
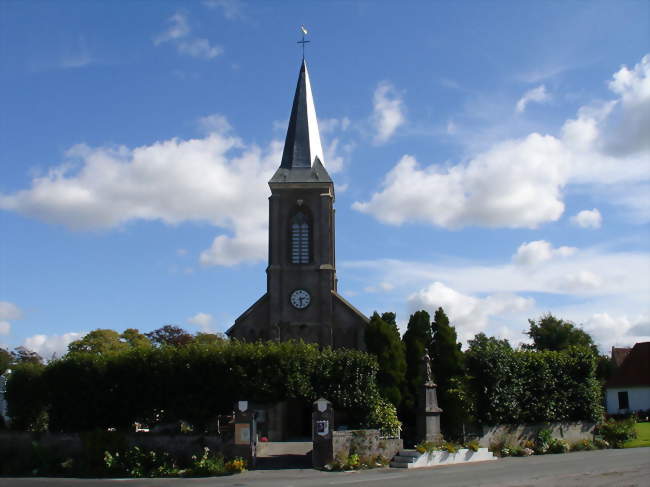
{"type": "Point", "coordinates": [300, 299]}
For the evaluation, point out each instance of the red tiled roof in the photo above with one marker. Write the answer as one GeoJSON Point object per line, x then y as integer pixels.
{"type": "Point", "coordinates": [635, 369]}
{"type": "Point", "coordinates": [619, 354]}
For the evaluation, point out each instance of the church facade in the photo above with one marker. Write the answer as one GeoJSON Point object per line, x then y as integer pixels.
{"type": "Point", "coordinates": [302, 301]}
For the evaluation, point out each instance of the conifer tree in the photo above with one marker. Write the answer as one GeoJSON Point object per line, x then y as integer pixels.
{"type": "Point", "coordinates": [416, 341]}
{"type": "Point", "coordinates": [449, 373]}
{"type": "Point", "coordinates": [383, 340]}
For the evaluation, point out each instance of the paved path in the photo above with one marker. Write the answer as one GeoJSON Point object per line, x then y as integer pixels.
{"type": "Point", "coordinates": [625, 468]}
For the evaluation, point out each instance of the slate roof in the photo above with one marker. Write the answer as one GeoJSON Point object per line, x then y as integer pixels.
{"type": "Point", "coordinates": [635, 369]}
{"type": "Point", "coordinates": [302, 158]}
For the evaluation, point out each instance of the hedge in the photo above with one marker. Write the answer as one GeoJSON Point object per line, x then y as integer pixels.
{"type": "Point", "coordinates": [83, 392]}
{"type": "Point", "coordinates": [518, 386]}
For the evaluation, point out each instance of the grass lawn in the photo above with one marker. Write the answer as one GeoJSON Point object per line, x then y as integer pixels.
{"type": "Point", "coordinates": [642, 436]}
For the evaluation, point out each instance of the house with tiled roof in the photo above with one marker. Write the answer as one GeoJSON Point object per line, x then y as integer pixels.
{"type": "Point", "coordinates": [628, 389]}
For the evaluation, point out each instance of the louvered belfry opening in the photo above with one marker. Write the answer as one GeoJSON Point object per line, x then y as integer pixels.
{"type": "Point", "coordinates": [300, 239]}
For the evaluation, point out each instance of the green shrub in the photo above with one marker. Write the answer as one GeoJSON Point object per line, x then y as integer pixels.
{"type": "Point", "coordinates": [427, 447]}
{"type": "Point", "coordinates": [616, 433]}
{"type": "Point", "coordinates": [557, 445]}
{"type": "Point", "coordinates": [450, 447]}
{"type": "Point", "coordinates": [136, 462]}
{"type": "Point", "coordinates": [383, 416]}
{"type": "Point", "coordinates": [207, 465]}
{"type": "Point", "coordinates": [523, 386]}
{"type": "Point", "coordinates": [473, 445]}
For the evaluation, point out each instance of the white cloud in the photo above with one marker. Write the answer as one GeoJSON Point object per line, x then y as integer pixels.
{"type": "Point", "coordinates": [533, 253]}
{"type": "Point", "coordinates": [217, 179]}
{"type": "Point", "coordinates": [520, 182]}
{"type": "Point", "coordinates": [617, 330]}
{"type": "Point", "coordinates": [388, 112]}
{"type": "Point", "coordinates": [232, 9]}
{"type": "Point", "coordinates": [588, 219]}
{"type": "Point", "coordinates": [181, 252]}
{"type": "Point", "coordinates": [202, 320]}
{"type": "Point", "coordinates": [178, 34]}
{"type": "Point", "coordinates": [49, 345]}
{"type": "Point", "coordinates": [179, 28]}
{"type": "Point", "coordinates": [200, 48]}
{"type": "Point", "coordinates": [484, 296]}
{"type": "Point", "coordinates": [538, 95]}
{"type": "Point", "coordinates": [514, 184]}
{"type": "Point", "coordinates": [469, 314]}
{"type": "Point", "coordinates": [582, 280]}
{"type": "Point", "coordinates": [9, 311]}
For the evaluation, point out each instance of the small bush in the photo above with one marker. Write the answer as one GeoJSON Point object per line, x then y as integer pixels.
{"type": "Point", "coordinates": [236, 465]}
{"type": "Point", "coordinates": [583, 445]}
{"type": "Point", "coordinates": [427, 447]}
{"type": "Point", "coordinates": [472, 445]}
{"type": "Point", "coordinates": [450, 447]}
{"type": "Point", "coordinates": [557, 445]}
{"type": "Point", "coordinates": [601, 444]}
{"type": "Point", "coordinates": [207, 465]}
{"type": "Point", "coordinates": [616, 433]}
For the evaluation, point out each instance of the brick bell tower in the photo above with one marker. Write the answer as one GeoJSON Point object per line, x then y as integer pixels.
{"type": "Point", "coordinates": [301, 301]}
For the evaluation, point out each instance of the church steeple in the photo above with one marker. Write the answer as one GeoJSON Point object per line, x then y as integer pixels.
{"type": "Point", "coordinates": [302, 145]}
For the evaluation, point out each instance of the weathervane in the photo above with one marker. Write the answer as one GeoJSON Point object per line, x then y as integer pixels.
{"type": "Point", "coordinates": [303, 41]}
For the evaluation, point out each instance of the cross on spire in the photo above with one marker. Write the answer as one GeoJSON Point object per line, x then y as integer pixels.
{"type": "Point", "coordinates": [303, 41]}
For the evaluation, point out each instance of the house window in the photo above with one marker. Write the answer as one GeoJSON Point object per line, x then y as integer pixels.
{"type": "Point", "coordinates": [300, 239]}
{"type": "Point", "coordinates": [623, 400]}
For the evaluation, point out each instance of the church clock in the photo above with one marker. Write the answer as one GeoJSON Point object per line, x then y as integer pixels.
{"type": "Point", "coordinates": [300, 299]}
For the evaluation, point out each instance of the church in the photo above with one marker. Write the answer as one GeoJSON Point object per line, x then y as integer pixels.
{"type": "Point", "coordinates": [301, 299]}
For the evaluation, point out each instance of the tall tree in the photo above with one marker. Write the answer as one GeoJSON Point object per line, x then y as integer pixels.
{"type": "Point", "coordinates": [383, 341]}
{"type": "Point", "coordinates": [101, 341]}
{"type": "Point", "coordinates": [449, 373]}
{"type": "Point", "coordinates": [416, 341]}
{"type": "Point", "coordinates": [23, 355]}
{"type": "Point", "coordinates": [134, 338]}
{"type": "Point", "coordinates": [551, 333]}
{"type": "Point", "coordinates": [170, 335]}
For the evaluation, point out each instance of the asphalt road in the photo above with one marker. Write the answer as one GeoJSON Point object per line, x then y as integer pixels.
{"type": "Point", "coordinates": [625, 468]}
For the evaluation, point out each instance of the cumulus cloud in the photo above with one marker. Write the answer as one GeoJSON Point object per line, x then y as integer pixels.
{"type": "Point", "coordinates": [178, 34]}
{"type": "Point", "coordinates": [533, 253]}
{"type": "Point", "coordinates": [469, 314]}
{"type": "Point", "coordinates": [617, 330]}
{"type": "Point", "coordinates": [217, 179]}
{"type": "Point", "coordinates": [588, 219]}
{"type": "Point", "coordinates": [48, 346]}
{"type": "Point", "coordinates": [519, 182]}
{"type": "Point", "coordinates": [388, 112]}
{"type": "Point", "coordinates": [202, 320]}
{"type": "Point", "coordinates": [538, 95]}
{"type": "Point", "coordinates": [8, 312]}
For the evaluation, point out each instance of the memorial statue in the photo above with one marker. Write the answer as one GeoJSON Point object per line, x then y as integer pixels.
{"type": "Point", "coordinates": [426, 361]}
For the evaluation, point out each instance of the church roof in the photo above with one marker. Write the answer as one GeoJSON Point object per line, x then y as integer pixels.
{"type": "Point", "coordinates": [302, 158]}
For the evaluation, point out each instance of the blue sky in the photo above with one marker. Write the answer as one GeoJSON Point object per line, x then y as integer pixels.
{"type": "Point", "coordinates": [492, 158]}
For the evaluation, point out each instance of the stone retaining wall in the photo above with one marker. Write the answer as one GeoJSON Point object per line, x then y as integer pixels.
{"type": "Point", "coordinates": [517, 434]}
{"type": "Point", "coordinates": [365, 443]}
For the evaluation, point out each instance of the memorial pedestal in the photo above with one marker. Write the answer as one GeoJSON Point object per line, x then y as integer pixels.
{"type": "Point", "coordinates": [428, 417]}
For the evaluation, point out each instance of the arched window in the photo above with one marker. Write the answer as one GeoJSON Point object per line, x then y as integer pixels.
{"type": "Point", "coordinates": [300, 239]}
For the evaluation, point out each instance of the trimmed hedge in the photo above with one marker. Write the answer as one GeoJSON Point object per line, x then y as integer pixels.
{"type": "Point", "coordinates": [518, 386]}
{"type": "Point", "coordinates": [83, 391]}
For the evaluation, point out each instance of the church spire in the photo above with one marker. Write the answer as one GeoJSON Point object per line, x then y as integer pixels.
{"type": "Point", "coordinates": [302, 146]}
